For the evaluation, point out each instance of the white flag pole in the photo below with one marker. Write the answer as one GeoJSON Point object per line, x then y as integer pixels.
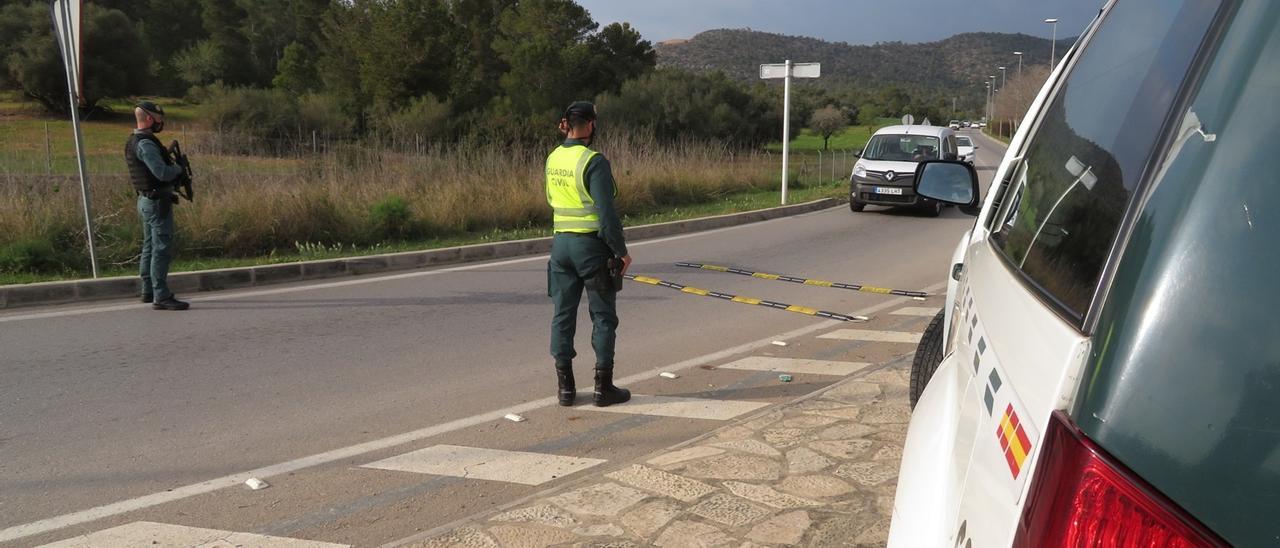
{"type": "Point", "coordinates": [68, 42]}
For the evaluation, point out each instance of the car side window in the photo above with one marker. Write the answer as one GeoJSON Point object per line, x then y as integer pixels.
{"type": "Point", "coordinates": [1065, 204]}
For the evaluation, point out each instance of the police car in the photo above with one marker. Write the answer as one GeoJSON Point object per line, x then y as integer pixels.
{"type": "Point", "coordinates": [1106, 371]}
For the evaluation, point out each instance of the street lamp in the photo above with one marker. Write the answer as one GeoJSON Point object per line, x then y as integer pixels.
{"type": "Point", "coordinates": [987, 107]}
{"type": "Point", "coordinates": [1054, 44]}
{"type": "Point", "coordinates": [1019, 54]}
{"type": "Point", "coordinates": [1003, 79]}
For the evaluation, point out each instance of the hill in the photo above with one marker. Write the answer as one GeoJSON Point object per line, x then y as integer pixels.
{"type": "Point", "coordinates": [960, 62]}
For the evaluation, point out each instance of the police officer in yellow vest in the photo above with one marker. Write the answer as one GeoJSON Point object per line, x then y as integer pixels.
{"type": "Point", "coordinates": [588, 235]}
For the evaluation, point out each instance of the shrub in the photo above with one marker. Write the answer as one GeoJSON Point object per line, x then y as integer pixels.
{"type": "Point", "coordinates": [425, 118]}
{"type": "Point", "coordinates": [323, 114]}
{"type": "Point", "coordinates": [263, 116]}
{"type": "Point", "coordinates": [390, 218]}
{"type": "Point", "coordinates": [32, 256]}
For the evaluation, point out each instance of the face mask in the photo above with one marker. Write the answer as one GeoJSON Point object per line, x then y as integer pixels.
{"type": "Point", "coordinates": [157, 127]}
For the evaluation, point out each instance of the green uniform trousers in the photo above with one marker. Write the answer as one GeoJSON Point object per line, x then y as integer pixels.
{"type": "Point", "coordinates": [157, 245]}
{"type": "Point", "coordinates": [575, 262]}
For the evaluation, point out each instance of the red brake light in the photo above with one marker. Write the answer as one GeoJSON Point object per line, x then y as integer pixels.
{"type": "Point", "coordinates": [1080, 496]}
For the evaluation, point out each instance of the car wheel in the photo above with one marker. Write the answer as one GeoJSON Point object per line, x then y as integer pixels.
{"type": "Point", "coordinates": [928, 356]}
{"type": "Point", "coordinates": [856, 206]}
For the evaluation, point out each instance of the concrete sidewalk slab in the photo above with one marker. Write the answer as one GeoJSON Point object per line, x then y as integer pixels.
{"type": "Point", "coordinates": [819, 471]}
{"type": "Point", "coordinates": [486, 464]}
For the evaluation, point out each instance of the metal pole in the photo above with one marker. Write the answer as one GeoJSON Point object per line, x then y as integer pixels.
{"type": "Point", "coordinates": [786, 128]}
{"type": "Point", "coordinates": [75, 126]}
{"type": "Point", "coordinates": [1053, 46]}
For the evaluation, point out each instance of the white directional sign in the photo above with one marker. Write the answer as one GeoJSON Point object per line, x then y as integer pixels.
{"type": "Point", "coordinates": [798, 70]}
{"type": "Point", "coordinates": [786, 71]}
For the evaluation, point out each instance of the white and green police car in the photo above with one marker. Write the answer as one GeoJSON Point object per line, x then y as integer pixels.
{"type": "Point", "coordinates": [1106, 371]}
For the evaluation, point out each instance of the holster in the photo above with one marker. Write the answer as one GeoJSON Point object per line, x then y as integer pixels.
{"type": "Point", "coordinates": [609, 278]}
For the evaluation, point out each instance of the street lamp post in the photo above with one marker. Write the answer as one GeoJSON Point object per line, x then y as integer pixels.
{"type": "Point", "coordinates": [1003, 77]}
{"type": "Point", "coordinates": [1019, 54]}
{"type": "Point", "coordinates": [986, 107]}
{"type": "Point", "coordinates": [1053, 45]}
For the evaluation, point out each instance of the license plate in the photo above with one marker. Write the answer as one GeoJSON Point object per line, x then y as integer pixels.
{"type": "Point", "coordinates": [888, 190]}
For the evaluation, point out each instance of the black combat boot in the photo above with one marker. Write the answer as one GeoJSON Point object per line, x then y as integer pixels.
{"type": "Point", "coordinates": [564, 376]}
{"type": "Point", "coordinates": [606, 393]}
{"type": "Point", "coordinates": [170, 303]}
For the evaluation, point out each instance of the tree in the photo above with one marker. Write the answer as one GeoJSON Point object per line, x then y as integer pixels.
{"type": "Point", "coordinates": [379, 55]}
{"type": "Point", "coordinates": [34, 63]}
{"type": "Point", "coordinates": [226, 50]}
{"type": "Point", "coordinates": [477, 68]}
{"type": "Point", "coordinates": [296, 72]}
{"type": "Point", "coordinates": [544, 44]}
{"type": "Point", "coordinates": [674, 104]}
{"type": "Point", "coordinates": [826, 121]}
{"type": "Point", "coordinates": [624, 55]}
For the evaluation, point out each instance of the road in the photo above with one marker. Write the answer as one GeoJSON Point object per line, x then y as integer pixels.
{"type": "Point", "coordinates": [111, 404]}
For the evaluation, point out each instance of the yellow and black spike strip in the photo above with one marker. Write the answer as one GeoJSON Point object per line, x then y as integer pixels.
{"type": "Point", "coordinates": [747, 300]}
{"type": "Point", "coordinates": [806, 281]}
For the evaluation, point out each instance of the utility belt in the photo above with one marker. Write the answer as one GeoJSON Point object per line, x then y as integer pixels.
{"type": "Point", "coordinates": [155, 193]}
{"type": "Point", "coordinates": [595, 235]}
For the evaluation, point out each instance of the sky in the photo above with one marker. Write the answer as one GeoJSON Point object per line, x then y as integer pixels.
{"type": "Point", "coordinates": [852, 21]}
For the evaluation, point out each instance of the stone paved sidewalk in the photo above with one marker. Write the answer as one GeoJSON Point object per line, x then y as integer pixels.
{"type": "Point", "coordinates": [817, 472]}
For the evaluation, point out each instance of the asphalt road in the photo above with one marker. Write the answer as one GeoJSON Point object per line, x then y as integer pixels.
{"type": "Point", "coordinates": [104, 403]}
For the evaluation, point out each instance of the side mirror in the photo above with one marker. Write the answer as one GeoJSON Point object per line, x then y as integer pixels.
{"type": "Point", "coordinates": [858, 153]}
{"type": "Point", "coordinates": [976, 147]}
{"type": "Point", "coordinates": [950, 182]}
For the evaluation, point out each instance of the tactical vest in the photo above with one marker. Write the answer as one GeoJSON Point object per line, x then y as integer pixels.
{"type": "Point", "coordinates": [573, 209]}
{"type": "Point", "coordinates": [139, 174]}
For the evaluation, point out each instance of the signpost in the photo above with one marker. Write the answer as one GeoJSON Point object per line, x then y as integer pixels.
{"type": "Point", "coordinates": [787, 71]}
{"type": "Point", "coordinates": [66, 15]}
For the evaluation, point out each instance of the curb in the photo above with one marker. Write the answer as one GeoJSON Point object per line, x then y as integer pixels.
{"type": "Point", "coordinates": [75, 291]}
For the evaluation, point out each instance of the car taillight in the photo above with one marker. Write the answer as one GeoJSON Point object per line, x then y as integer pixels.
{"type": "Point", "coordinates": [1080, 496]}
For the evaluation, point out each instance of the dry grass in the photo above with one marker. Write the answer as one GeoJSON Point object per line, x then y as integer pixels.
{"type": "Point", "coordinates": [253, 206]}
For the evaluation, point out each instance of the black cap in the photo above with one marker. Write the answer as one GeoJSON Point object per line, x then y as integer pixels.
{"type": "Point", "coordinates": [582, 109]}
{"type": "Point", "coordinates": [150, 107]}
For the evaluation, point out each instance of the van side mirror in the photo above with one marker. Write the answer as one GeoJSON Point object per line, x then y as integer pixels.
{"type": "Point", "coordinates": [950, 182]}
{"type": "Point", "coordinates": [858, 153]}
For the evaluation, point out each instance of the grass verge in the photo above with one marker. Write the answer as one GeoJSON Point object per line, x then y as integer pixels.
{"type": "Point", "coordinates": [737, 202]}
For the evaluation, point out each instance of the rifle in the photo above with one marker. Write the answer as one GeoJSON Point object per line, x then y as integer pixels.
{"type": "Point", "coordinates": [182, 186]}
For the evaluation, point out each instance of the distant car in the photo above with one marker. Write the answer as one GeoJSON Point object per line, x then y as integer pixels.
{"type": "Point", "coordinates": [955, 124]}
{"type": "Point", "coordinates": [965, 123]}
{"type": "Point", "coordinates": [884, 172]}
{"type": "Point", "coordinates": [965, 148]}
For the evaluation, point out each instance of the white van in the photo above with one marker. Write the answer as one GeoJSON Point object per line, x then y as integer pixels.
{"type": "Point", "coordinates": [1106, 369]}
{"type": "Point", "coordinates": [886, 167]}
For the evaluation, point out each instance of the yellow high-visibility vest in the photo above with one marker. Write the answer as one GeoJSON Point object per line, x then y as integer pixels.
{"type": "Point", "coordinates": [573, 209]}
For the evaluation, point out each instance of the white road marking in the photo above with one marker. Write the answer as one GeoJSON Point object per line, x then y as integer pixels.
{"type": "Point", "coordinates": [870, 335]}
{"type": "Point", "coordinates": [925, 311]}
{"type": "Point", "coordinates": [179, 493]}
{"type": "Point", "coordinates": [791, 365]}
{"type": "Point", "coordinates": [685, 408]}
{"type": "Point", "coordinates": [486, 464]}
{"type": "Point", "coordinates": [360, 280]}
{"type": "Point", "coordinates": [162, 535]}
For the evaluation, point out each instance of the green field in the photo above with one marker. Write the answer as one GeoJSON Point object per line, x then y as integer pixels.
{"type": "Point", "coordinates": [350, 200]}
{"type": "Point", "coordinates": [852, 138]}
